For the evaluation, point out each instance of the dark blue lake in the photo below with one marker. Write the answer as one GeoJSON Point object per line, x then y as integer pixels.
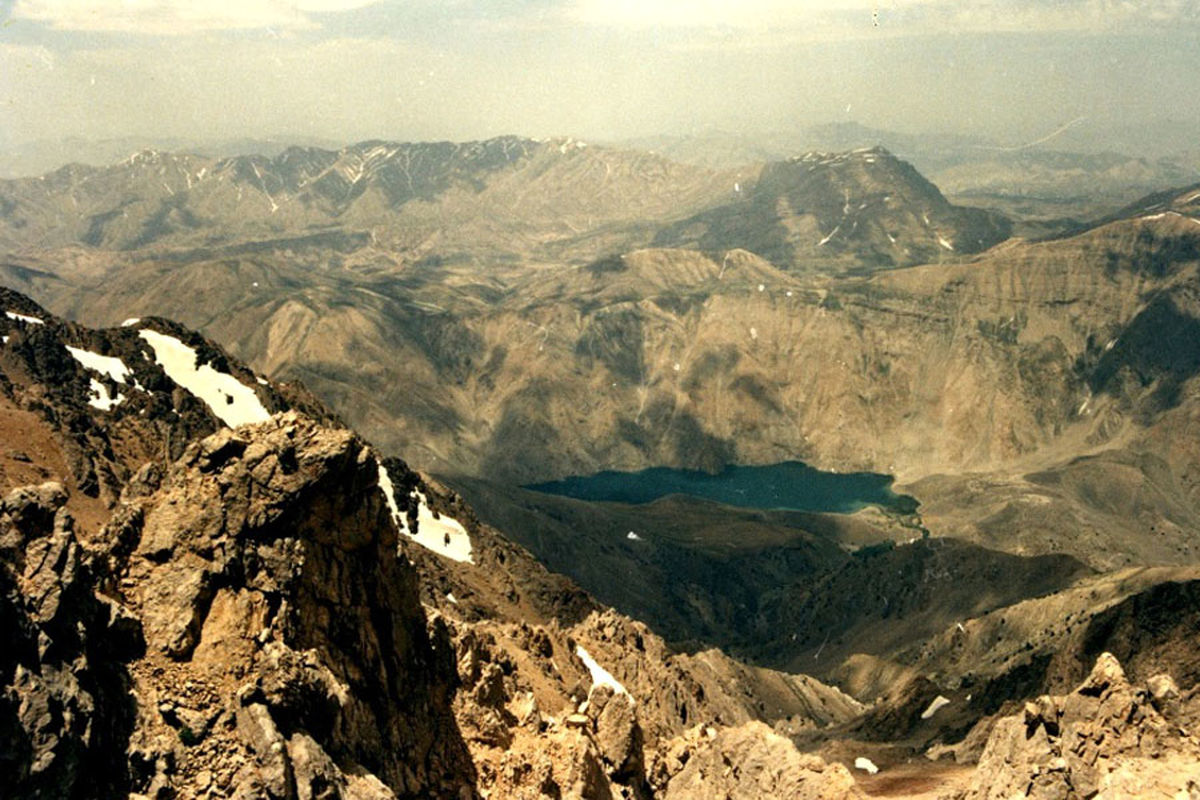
{"type": "Point", "coordinates": [791, 485]}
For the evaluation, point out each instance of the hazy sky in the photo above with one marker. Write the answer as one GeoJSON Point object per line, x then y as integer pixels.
{"type": "Point", "coordinates": [459, 69]}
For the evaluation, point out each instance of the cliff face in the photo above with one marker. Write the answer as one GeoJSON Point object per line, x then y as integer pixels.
{"type": "Point", "coordinates": [248, 619]}
{"type": "Point", "coordinates": [266, 574]}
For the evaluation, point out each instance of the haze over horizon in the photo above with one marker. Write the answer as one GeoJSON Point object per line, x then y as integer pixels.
{"type": "Point", "coordinates": [1101, 74]}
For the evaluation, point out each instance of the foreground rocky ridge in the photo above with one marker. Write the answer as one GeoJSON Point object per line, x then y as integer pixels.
{"type": "Point", "coordinates": [1107, 739]}
{"type": "Point", "coordinates": [252, 620]}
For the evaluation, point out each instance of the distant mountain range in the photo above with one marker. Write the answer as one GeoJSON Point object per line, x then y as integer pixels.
{"type": "Point", "coordinates": [46, 155]}
{"type": "Point", "coordinates": [499, 198]}
{"type": "Point", "coordinates": [1070, 174]}
{"type": "Point", "coordinates": [1085, 167]}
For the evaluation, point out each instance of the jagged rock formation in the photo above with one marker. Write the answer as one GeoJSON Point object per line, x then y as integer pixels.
{"type": "Point", "coordinates": [65, 708]}
{"type": "Point", "coordinates": [1107, 739]}
{"type": "Point", "coordinates": [265, 572]}
{"type": "Point", "coordinates": [748, 762]}
{"type": "Point", "coordinates": [106, 399]}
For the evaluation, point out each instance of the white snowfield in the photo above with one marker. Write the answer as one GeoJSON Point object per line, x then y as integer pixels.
{"type": "Point", "coordinates": [443, 535]}
{"type": "Point", "coordinates": [98, 396]}
{"type": "Point", "coordinates": [24, 318]}
{"type": "Point", "coordinates": [232, 401]}
{"type": "Point", "coordinates": [866, 765]}
{"type": "Point", "coordinates": [938, 703]}
{"type": "Point", "coordinates": [600, 676]}
{"type": "Point", "coordinates": [106, 365]}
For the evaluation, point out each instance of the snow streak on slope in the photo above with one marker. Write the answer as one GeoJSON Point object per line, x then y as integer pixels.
{"type": "Point", "coordinates": [232, 401]}
{"type": "Point", "coordinates": [442, 534]}
{"type": "Point", "coordinates": [938, 703]}
{"type": "Point", "coordinates": [106, 365]}
{"type": "Point", "coordinates": [23, 318]}
{"type": "Point", "coordinates": [600, 676]}
{"type": "Point", "coordinates": [98, 396]}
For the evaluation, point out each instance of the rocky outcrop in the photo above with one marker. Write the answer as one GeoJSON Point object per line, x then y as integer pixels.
{"type": "Point", "coordinates": [108, 403]}
{"type": "Point", "coordinates": [65, 707]}
{"type": "Point", "coordinates": [744, 763]}
{"type": "Point", "coordinates": [1107, 739]}
{"type": "Point", "coordinates": [266, 571]}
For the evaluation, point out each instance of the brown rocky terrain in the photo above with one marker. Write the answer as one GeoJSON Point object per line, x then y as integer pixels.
{"type": "Point", "coordinates": [1106, 739]}
{"type": "Point", "coordinates": [253, 621]}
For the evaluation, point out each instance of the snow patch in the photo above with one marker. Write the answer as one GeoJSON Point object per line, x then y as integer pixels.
{"type": "Point", "coordinates": [571, 144]}
{"type": "Point", "coordinates": [129, 323]}
{"type": "Point", "coordinates": [944, 243]}
{"type": "Point", "coordinates": [450, 598]}
{"type": "Point", "coordinates": [3, 340]}
{"type": "Point", "coordinates": [106, 365]}
{"type": "Point", "coordinates": [600, 676]}
{"type": "Point", "coordinates": [230, 400]}
{"type": "Point", "coordinates": [98, 396]}
{"type": "Point", "coordinates": [633, 537]}
{"type": "Point", "coordinates": [389, 497]}
{"type": "Point", "coordinates": [443, 535]}
{"type": "Point", "coordinates": [866, 765]}
{"type": "Point", "coordinates": [832, 233]}
{"type": "Point", "coordinates": [24, 318]}
{"type": "Point", "coordinates": [938, 703]}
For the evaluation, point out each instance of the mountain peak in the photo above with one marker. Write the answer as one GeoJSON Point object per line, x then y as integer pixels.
{"type": "Point", "coordinates": [862, 154]}
{"type": "Point", "coordinates": [857, 207]}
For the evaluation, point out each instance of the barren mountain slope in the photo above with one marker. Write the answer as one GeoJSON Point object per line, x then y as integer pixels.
{"type": "Point", "coordinates": [496, 199]}
{"type": "Point", "coordinates": [842, 212]}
